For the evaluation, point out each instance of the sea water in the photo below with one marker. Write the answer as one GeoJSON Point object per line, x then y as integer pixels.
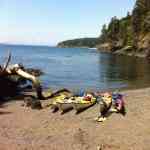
{"type": "Point", "coordinates": [81, 68]}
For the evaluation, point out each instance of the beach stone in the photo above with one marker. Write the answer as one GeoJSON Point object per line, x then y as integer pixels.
{"type": "Point", "coordinates": [32, 102]}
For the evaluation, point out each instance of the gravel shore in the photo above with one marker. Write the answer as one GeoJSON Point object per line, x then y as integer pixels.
{"type": "Point", "coordinates": [24, 129]}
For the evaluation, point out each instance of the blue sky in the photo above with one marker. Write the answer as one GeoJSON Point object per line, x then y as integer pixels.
{"type": "Point", "coordinates": [46, 22]}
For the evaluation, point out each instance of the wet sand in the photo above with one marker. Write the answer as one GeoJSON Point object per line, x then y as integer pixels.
{"type": "Point", "coordinates": [24, 129]}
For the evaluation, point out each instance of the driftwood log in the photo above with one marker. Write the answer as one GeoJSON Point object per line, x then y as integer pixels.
{"type": "Point", "coordinates": [16, 69]}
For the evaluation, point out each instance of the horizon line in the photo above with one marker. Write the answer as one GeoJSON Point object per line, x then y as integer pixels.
{"type": "Point", "coordinates": [27, 44]}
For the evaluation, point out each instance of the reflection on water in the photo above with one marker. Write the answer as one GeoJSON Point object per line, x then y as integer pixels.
{"type": "Point", "coordinates": [132, 71]}
{"type": "Point", "coordinates": [78, 68]}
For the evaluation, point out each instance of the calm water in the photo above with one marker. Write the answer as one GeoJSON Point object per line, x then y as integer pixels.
{"type": "Point", "coordinates": [78, 68]}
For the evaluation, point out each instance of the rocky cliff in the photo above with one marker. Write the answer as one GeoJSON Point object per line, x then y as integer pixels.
{"type": "Point", "coordinates": [129, 35]}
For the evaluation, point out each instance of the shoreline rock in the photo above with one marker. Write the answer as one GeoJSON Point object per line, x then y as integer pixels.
{"type": "Point", "coordinates": [127, 50]}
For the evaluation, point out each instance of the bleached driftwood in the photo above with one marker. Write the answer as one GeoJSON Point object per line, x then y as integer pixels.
{"type": "Point", "coordinates": [19, 70]}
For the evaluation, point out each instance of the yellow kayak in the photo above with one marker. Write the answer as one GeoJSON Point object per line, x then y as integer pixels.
{"type": "Point", "coordinates": [81, 104]}
{"type": "Point", "coordinates": [54, 104]}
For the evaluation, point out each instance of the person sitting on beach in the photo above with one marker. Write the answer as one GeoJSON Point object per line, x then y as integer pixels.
{"type": "Point", "coordinates": [105, 105]}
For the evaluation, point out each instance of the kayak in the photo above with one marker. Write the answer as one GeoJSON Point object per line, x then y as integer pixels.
{"type": "Point", "coordinates": [80, 104]}
{"type": "Point", "coordinates": [63, 107]}
{"type": "Point", "coordinates": [66, 104]}
{"type": "Point", "coordinates": [54, 104]}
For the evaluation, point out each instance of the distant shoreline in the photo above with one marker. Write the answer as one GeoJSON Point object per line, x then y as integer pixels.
{"type": "Point", "coordinates": [27, 45]}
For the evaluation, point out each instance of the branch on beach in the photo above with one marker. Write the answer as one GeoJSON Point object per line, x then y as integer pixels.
{"type": "Point", "coordinates": [16, 69]}
{"type": "Point", "coordinates": [4, 68]}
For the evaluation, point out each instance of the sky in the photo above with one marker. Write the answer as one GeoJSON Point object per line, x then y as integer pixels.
{"type": "Point", "coordinates": [47, 22]}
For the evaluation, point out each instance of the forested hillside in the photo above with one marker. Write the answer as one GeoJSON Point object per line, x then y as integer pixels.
{"type": "Point", "coordinates": [128, 35]}
{"type": "Point", "coordinates": [83, 42]}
